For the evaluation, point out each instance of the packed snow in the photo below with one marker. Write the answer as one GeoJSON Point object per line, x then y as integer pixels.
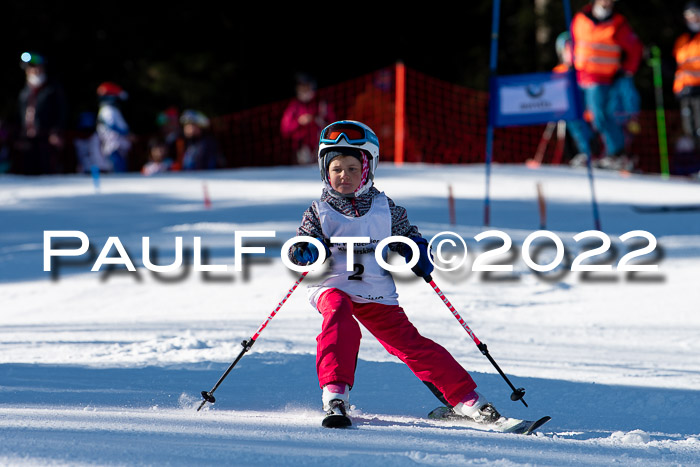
{"type": "Point", "coordinates": [106, 367]}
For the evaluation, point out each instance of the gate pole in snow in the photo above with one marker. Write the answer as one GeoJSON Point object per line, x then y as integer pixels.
{"type": "Point", "coordinates": [655, 62]}
{"type": "Point", "coordinates": [491, 118]}
{"type": "Point", "coordinates": [589, 159]}
{"type": "Point", "coordinates": [489, 130]}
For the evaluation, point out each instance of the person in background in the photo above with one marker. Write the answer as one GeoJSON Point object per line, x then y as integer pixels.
{"type": "Point", "coordinates": [43, 114]}
{"type": "Point", "coordinates": [686, 84]}
{"type": "Point", "coordinates": [87, 145]}
{"type": "Point", "coordinates": [170, 133]}
{"type": "Point", "coordinates": [607, 54]}
{"type": "Point", "coordinates": [112, 129]}
{"type": "Point", "coordinates": [562, 45]}
{"type": "Point", "coordinates": [304, 118]}
{"type": "Point", "coordinates": [580, 130]}
{"type": "Point", "coordinates": [201, 149]}
{"type": "Point", "coordinates": [159, 159]}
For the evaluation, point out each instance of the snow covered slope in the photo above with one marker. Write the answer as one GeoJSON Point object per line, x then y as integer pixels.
{"type": "Point", "coordinates": [105, 368]}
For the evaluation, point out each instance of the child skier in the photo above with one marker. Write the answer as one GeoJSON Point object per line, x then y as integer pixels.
{"type": "Point", "coordinates": [350, 206]}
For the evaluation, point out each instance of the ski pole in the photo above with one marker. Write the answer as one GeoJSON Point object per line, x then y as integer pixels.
{"type": "Point", "coordinates": [517, 393]}
{"type": "Point", "coordinates": [209, 395]}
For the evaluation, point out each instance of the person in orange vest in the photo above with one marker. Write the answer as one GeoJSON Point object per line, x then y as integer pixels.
{"type": "Point", "coordinates": [607, 54]}
{"type": "Point", "coordinates": [686, 85]}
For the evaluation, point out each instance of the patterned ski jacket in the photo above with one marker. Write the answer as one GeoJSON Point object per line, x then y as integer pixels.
{"type": "Point", "coordinates": [355, 207]}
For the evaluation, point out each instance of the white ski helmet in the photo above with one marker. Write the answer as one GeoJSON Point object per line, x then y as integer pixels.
{"type": "Point", "coordinates": [353, 135]}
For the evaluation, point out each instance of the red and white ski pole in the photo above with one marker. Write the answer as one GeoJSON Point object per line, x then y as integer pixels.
{"type": "Point", "coordinates": [209, 395]}
{"type": "Point", "coordinates": [517, 393]}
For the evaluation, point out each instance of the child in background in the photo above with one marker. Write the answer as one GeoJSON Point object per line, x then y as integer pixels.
{"type": "Point", "coordinates": [112, 129]}
{"type": "Point", "coordinates": [158, 158]}
{"type": "Point", "coordinates": [350, 206]}
{"type": "Point", "coordinates": [201, 149]}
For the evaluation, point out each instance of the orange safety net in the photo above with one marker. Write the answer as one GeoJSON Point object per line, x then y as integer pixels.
{"type": "Point", "coordinates": [444, 123]}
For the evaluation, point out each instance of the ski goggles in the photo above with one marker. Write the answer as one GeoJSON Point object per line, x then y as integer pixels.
{"type": "Point", "coordinates": [31, 59]}
{"type": "Point", "coordinates": [353, 134]}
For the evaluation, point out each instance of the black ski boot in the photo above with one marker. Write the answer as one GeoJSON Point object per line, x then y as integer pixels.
{"type": "Point", "coordinates": [336, 415]}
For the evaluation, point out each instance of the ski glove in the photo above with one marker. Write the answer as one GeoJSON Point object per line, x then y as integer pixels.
{"type": "Point", "coordinates": [424, 266]}
{"type": "Point", "coordinates": [307, 253]}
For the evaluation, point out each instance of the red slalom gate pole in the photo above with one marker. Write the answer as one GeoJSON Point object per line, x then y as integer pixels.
{"type": "Point", "coordinates": [561, 141]}
{"type": "Point", "coordinates": [207, 199]}
{"type": "Point", "coordinates": [542, 206]}
{"type": "Point", "coordinates": [209, 395]}
{"type": "Point", "coordinates": [517, 393]}
{"type": "Point", "coordinates": [451, 205]}
{"type": "Point", "coordinates": [536, 161]}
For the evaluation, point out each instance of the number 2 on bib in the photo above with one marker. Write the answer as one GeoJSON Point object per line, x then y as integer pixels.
{"type": "Point", "coordinates": [358, 269]}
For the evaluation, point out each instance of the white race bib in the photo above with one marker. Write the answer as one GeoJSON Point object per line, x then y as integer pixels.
{"type": "Point", "coordinates": [366, 281]}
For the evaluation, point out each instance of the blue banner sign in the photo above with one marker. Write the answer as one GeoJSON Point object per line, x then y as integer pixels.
{"type": "Point", "coordinates": [534, 98]}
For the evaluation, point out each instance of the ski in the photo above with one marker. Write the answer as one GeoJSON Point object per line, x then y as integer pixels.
{"type": "Point", "coordinates": [536, 424]}
{"type": "Point", "coordinates": [667, 208]}
{"type": "Point", "coordinates": [502, 425]}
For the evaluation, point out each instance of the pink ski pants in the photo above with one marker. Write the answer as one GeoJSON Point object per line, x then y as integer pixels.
{"type": "Point", "coordinates": [338, 345]}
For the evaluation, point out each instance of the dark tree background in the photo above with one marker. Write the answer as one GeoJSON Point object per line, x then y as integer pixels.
{"type": "Point", "coordinates": [223, 57]}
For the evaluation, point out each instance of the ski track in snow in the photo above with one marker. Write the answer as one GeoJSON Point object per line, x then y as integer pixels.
{"type": "Point", "coordinates": [105, 368]}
